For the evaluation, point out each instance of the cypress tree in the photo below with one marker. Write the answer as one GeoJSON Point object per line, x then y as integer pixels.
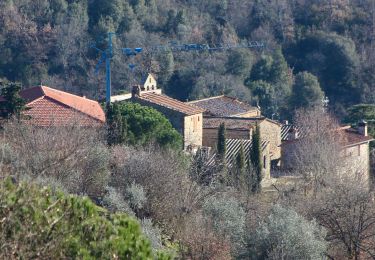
{"type": "Point", "coordinates": [13, 104]}
{"type": "Point", "coordinates": [256, 159]}
{"type": "Point", "coordinates": [116, 125]}
{"type": "Point", "coordinates": [221, 142]}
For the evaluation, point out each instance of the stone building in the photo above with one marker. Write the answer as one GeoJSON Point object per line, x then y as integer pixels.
{"type": "Point", "coordinates": [354, 145]}
{"type": "Point", "coordinates": [185, 118]}
{"type": "Point", "coordinates": [240, 120]}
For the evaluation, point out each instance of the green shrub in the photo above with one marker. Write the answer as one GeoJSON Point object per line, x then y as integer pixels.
{"type": "Point", "coordinates": [146, 125]}
{"type": "Point", "coordinates": [284, 234]}
{"type": "Point", "coordinates": [38, 223]}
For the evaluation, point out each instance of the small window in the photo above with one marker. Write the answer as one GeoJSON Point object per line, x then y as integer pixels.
{"type": "Point", "coordinates": [150, 80]}
{"type": "Point", "coordinates": [359, 150]}
{"type": "Point", "coordinates": [198, 119]}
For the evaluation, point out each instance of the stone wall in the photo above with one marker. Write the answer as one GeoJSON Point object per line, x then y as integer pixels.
{"type": "Point", "coordinates": [271, 132]}
{"type": "Point", "coordinates": [358, 159]}
{"type": "Point", "coordinates": [190, 127]}
{"type": "Point", "coordinates": [266, 164]}
{"type": "Point", "coordinates": [193, 132]}
{"type": "Point", "coordinates": [210, 135]}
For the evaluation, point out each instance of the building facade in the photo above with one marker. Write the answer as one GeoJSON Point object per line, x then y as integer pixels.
{"type": "Point", "coordinates": [185, 118]}
{"type": "Point", "coordinates": [354, 145]}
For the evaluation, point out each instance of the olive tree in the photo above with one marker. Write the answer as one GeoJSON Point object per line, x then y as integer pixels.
{"type": "Point", "coordinates": [285, 234]}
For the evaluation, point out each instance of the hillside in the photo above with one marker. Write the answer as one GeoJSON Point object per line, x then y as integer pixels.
{"type": "Point", "coordinates": [48, 41]}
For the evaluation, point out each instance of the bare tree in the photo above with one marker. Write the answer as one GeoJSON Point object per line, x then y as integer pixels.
{"type": "Point", "coordinates": [346, 209]}
{"type": "Point", "coordinates": [72, 156]}
{"type": "Point", "coordinates": [315, 151]}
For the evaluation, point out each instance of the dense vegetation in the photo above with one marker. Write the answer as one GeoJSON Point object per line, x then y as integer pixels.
{"type": "Point", "coordinates": [37, 222]}
{"type": "Point", "coordinates": [48, 41]}
{"type": "Point", "coordinates": [134, 124]}
{"type": "Point", "coordinates": [191, 207]}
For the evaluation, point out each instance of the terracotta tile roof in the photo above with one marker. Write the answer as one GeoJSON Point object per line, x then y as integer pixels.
{"type": "Point", "coordinates": [235, 123]}
{"type": "Point", "coordinates": [351, 137]}
{"type": "Point", "coordinates": [86, 106]}
{"type": "Point", "coordinates": [223, 106]}
{"type": "Point", "coordinates": [170, 103]}
{"type": "Point", "coordinates": [51, 106]}
{"type": "Point", "coordinates": [46, 111]}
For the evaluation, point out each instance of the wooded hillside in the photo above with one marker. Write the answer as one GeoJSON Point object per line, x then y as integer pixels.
{"type": "Point", "coordinates": [48, 42]}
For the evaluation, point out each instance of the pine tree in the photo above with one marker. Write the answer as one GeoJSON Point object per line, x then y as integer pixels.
{"type": "Point", "coordinates": [13, 104]}
{"type": "Point", "coordinates": [221, 142]}
{"type": "Point", "coordinates": [116, 125]}
{"type": "Point", "coordinates": [256, 159]}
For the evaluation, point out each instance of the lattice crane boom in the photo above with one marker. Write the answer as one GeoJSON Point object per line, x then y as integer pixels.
{"type": "Point", "coordinates": [108, 53]}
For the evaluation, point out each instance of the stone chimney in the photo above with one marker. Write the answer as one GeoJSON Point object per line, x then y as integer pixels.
{"type": "Point", "coordinates": [293, 133]}
{"type": "Point", "coordinates": [362, 128]}
{"type": "Point", "coordinates": [136, 91]}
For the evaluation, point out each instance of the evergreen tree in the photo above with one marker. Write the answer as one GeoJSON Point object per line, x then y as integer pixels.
{"type": "Point", "coordinates": [239, 62]}
{"type": "Point", "coordinates": [116, 125]}
{"type": "Point", "coordinates": [256, 160]}
{"type": "Point", "coordinates": [306, 91]}
{"type": "Point", "coordinates": [221, 142]}
{"type": "Point", "coordinates": [13, 104]}
{"type": "Point", "coordinates": [145, 125]}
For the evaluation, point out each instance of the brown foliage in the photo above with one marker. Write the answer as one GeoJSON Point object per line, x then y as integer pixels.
{"type": "Point", "coordinates": [72, 156]}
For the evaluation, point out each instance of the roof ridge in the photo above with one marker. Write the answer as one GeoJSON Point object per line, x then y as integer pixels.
{"type": "Point", "coordinates": [198, 100]}
{"type": "Point", "coordinates": [175, 104]}
{"type": "Point", "coordinates": [65, 93]}
{"type": "Point", "coordinates": [237, 118]}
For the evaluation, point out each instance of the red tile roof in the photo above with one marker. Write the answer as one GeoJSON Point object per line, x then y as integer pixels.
{"type": "Point", "coordinates": [170, 103]}
{"type": "Point", "coordinates": [49, 112]}
{"type": "Point", "coordinates": [223, 106]}
{"type": "Point", "coordinates": [87, 106]}
{"type": "Point", "coordinates": [48, 106]}
{"type": "Point", "coordinates": [351, 137]}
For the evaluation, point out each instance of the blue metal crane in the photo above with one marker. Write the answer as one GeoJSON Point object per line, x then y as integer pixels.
{"type": "Point", "coordinates": [108, 53]}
